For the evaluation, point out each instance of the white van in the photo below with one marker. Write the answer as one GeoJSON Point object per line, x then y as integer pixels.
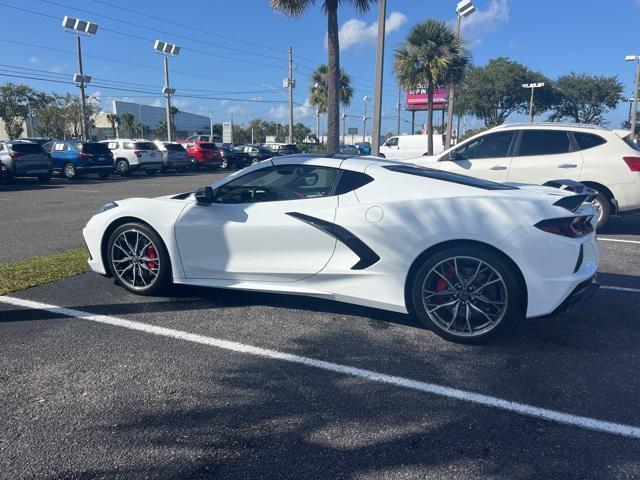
{"type": "Point", "coordinates": [410, 146]}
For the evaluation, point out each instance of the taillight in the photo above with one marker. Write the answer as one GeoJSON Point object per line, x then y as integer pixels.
{"type": "Point", "coordinates": [84, 155]}
{"type": "Point", "coordinates": [633, 163]}
{"type": "Point", "coordinates": [14, 155]}
{"type": "Point", "coordinates": [137, 153]}
{"type": "Point", "coordinates": [572, 227]}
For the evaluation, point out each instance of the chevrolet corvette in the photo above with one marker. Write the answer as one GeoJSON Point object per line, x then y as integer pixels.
{"type": "Point", "coordinates": [468, 257]}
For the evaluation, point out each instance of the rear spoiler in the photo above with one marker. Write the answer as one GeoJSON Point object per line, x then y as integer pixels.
{"type": "Point", "coordinates": [582, 194]}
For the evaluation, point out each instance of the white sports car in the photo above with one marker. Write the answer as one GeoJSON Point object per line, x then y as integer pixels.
{"type": "Point", "coordinates": [469, 257]}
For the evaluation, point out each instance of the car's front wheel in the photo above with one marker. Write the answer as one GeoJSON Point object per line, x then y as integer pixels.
{"type": "Point", "coordinates": [70, 171]}
{"type": "Point", "coordinates": [604, 209]}
{"type": "Point", "coordinates": [138, 259]}
{"type": "Point", "coordinates": [122, 167]}
{"type": "Point", "coordinates": [467, 294]}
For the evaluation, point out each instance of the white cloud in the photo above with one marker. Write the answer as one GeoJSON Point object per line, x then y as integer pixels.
{"type": "Point", "coordinates": [181, 104]}
{"type": "Point", "coordinates": [157, 103]}
{"type": "Point", "coordinates": [357, 32]}
{"type": "Point", "coordinates": [281, 112]}
{"type": "Point", "coordinates": [482, 22]}
{"type": "Point", "coordinates": [59, 68]}
{"type": "Point", "coordinates": [34, 60]}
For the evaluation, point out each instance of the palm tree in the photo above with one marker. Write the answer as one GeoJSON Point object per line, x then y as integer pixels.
{"type": "Point", "coordinates": [161, 129]}
{"type": "Point", "coordinates": [330, 7]}
{"type": "Point", "coordinates": [430, 57]}
{"type": "Point", "coordinates": [318, 91]}
{"type": "Point", "coordinates": [113, 120]}
{"type": "Point", "coordinates": [129, 123]}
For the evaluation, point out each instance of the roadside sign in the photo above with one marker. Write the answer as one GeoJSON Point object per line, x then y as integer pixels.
{"type": "Point", "coordinates": [227, 132]}
{"type": "Point", "coordinates": [352, 130]}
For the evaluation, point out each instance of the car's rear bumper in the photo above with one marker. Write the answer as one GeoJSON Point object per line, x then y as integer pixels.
{"type": "Point", "coordinates": [580, 295]}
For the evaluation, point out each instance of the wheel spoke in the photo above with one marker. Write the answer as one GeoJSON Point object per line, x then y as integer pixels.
{"type": "Point", "coordinates": [115, 244]}
{"type": "Point", "coordinates": [448, 304]}
{"type": "Point", "coordinates": [467, 316]}
{"type": "Point", "coordinates": [444, 278]}
{"type": "Point", "coordinates": [488, 283]}
{"type": "Point", "coordinates": [479, 310]}
{"type": "Point", "coordinates": [130, 262]}
{"type": "Point", "coordinates": [484, 299]}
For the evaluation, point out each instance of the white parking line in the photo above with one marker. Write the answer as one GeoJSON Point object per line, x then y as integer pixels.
{"type": "Point", "coordinates": [618, 240]}
{"type": "Point", "coordinates": [477, 398]}
{"type": "Point", "coordinates": [621, 289]}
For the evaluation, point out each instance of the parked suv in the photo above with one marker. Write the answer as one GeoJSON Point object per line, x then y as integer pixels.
{"type": "Point", "coordinates": [605, 160]}
{"type": "Point", "coordinates": [73, 159]}
{"type": "Point", "coordinates": [131, 155]}
{"type": "Point", "coordinates": [19, 158]}
{"type": "Point", "coordinates": [282, 148]}
{"type": "Point", "coordinates": [203, 154]}
{"type": "Point", "coordinates": [173, 156]}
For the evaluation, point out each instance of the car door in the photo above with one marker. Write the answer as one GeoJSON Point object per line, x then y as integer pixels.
{"type": "Point", "coordinates": [390, 148]}
{"type": "Point", "coordinates": [258, 227]}
{"type": "Point", "coordinates": [543, 155]}
{"type": "Point", "coordinates": [487, 156]}
{"type": "Point", "coordinates": [58, 156]}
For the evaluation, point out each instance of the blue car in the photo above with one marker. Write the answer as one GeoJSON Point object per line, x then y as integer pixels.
{"type": "Point", "coordinates": [72, 159]}
{"type": "Point", "coordinates": [364, 147]}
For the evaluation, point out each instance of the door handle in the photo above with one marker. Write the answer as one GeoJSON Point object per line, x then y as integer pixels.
{"type": "Point", "coordinates": [567, 165]}
{"type": "Point", "coordinates": [498, 167]}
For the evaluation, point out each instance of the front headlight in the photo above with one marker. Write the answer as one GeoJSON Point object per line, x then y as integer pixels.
{"type": "Point", "coordinates": [107, 206]}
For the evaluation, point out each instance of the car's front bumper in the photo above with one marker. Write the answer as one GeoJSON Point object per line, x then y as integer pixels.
{"type": "Point", "coordinates": [92, 234]}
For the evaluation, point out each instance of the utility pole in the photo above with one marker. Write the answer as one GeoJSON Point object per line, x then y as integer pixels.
{"type": "Point", "coordinates": [366, 101]}
{"type": "Point", "coordinates": [318, 123]}
{"type": "Point", "coordinates": [532, 86]}
{"type": "Point", "coordinates": [210, 127]}
{"type": "Point", "coordinates": [167, 93]}
{"type": "Point", "coordinates": [634, 108]}
{"type": "Point", "coordinates": [463, 9]}
{"type": "Point", "coordinates": [377, 106]}
{"type": "Point", "coordinates": [344, 127]}
{"type": "Point", "coordinates": [290, 84]}
{"type": "Point", "coordinates": [399, 111]}
{"type": "Point", "coordinates": [83, 100]}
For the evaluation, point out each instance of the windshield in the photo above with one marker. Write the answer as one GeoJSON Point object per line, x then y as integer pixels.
{"type": "Point", "coordinates": [208, 146]}
{"type": "Point", "coordinates": [174, 147]}
{"type": "Point", "coordinates": [145, 146]}
{"type": "Point", "coordinates": [27, 148]}
{"type": "Point", "coordinates": [631, 143]}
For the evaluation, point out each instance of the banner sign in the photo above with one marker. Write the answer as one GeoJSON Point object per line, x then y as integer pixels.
{"type": "Point", "coordinates": [417, 99]}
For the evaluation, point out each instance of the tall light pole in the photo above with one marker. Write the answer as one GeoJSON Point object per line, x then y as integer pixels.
{"type": "Point", "coordinates": [463, 9]}
{"type": "Point", "coordinates": [634, 108]}
{"type": "Point", "coordinates": [399, 106]}
{"type": "Point", "coordinates": [344, 127]}
{"type": "Point", "coordinates": [167, 50]}
{"type": "Point", "coordinates": [210, 127]}
{"type": "Point", "coordinates": [318, 123]}
{"type": "Point", "coordinates": [81, 27]}
{"type": "Point", "coordinates": [377, 105]}
{"type": "Point", "coordinates": [366, 101]}
{"type": "Point", "coordinates": [533, 87]}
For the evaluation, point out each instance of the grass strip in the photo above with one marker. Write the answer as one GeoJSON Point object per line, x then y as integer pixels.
{"type": "Point", "coordinates": [39, 270]}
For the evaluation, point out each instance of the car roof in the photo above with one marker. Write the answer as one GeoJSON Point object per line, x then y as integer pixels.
{"type": "Point", "coordinates": [550, 125]}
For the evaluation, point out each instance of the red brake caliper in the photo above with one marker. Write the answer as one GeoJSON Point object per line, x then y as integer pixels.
{"type": "Point", "coordinates": [441, 284]}
{"type": "Point", "coordinates": [152, 255]}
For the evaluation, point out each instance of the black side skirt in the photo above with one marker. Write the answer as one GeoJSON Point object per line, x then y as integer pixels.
{"type": "Point", "coordinates": [367, 256]}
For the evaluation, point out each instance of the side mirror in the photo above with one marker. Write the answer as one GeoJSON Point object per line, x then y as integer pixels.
{"type": "Point", "coordinates": [205, 196]}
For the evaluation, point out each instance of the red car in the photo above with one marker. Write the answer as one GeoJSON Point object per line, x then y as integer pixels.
{"type": "Point", "coordinates": [203, 154]}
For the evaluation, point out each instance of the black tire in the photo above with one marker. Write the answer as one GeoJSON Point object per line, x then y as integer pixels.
{"type": "Point", "coordinates": [225, 164]}
{"type": "Point", "coordinates": [507, 289]}
{"type": "Point", "coordinates": [604, 205]}
{"type": "Point", "coordinates": [163, 278]}
{"type": "Point", "coordinates": [151, 173]}
{"type": "Point", "coordinates": [46, 178]}
{"type": "Point", "coordinates": [381, 155]}
{"type": "Point", "coordinates": [69, 171]}
{"type": "Point", "coordinates": [122, 167]}
{"type": "Point", "coordinates": [104, 175]}
{"type": "Point", "coordinates": [194, 164]}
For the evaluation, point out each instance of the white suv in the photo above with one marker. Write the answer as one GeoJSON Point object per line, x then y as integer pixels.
{"type": "Point", "coordinates": [605, 160]}
{"type": "Point", "coordinates": [131, 155]}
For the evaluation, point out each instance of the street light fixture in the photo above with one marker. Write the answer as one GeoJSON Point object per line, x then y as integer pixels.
{"type": "Point", "coordinates": [366, 101]}
{"type": "Point", "coordinates": [634, 108]}
{"type": "Point", "coordinates": [167, 50]}
{"type": "Point", "coordinates": [463, 9]}
{"type": "Point", "coordinates": [532, 86]}
{"type": "Point", "coordinates": [81, 27]}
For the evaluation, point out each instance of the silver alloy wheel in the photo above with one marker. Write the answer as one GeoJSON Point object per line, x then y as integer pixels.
{"type": "Point", "coordinates": [598, 204]}
{"type": "Point", "coordinates": [465, 296]}
{"type": "Point", "coordinates": [69, 171]}
{"type": "Point", "coordinates": [135, 259]}
{"type": "Point", "coordinates": [122, 167]}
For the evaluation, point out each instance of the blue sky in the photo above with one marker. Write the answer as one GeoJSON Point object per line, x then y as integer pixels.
{"type": "Point", "coordinates": [237, 50]}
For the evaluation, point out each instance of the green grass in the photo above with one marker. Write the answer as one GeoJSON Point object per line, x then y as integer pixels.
{"type": "Point", "coordinates": [40, 270]}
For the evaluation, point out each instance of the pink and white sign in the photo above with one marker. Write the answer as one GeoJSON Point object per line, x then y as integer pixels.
{"type": "Point", "coordinates": [417, 99]}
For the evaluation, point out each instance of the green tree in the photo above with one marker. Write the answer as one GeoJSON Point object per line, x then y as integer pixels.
{"type": "Point", "coordinates": [330, 7]}
{"type": "Point", "coordinates": [14, 107]}
{"type": "Point", "coordinates": [430, 57]}
{"type": "Point", "coordinates": [318, 91]}
{"type": "Point", "coordinates": [114, 120]}
{"type": "Point", "coordinates": [585, 98]}
{"type": "Point", "coordinates": [129, 123]}
{"type": "Point", "coordinates": [161, 130]}
{"type": "Point", "coordinates": [494, 92]}
{"type": "Point", "coordinates": [300, 132]}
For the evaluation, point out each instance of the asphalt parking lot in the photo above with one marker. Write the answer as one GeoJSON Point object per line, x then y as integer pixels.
{"type": "Point", "coordinates": [209, 383]}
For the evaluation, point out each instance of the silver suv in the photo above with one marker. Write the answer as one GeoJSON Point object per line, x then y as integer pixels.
{"type": "Point", "coordinates": [19, 158]}
{"type": "Point", "coordinates": [135, 154]}
{"type": "Point", "coordinates": [173, 156]}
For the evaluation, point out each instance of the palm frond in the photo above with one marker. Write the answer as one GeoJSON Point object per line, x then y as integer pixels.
{"type": "Point", "coordinates": [293, 8]}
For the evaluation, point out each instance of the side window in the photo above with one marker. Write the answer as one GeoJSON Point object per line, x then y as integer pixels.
{"type": "Point", "coordinates": [588, 140]}
{"type": "Point", "coordinates": [58, 147]}
{"type": "Point", "coordinates": [492, 145]}
{"type": "Point", "coordinates": [392, 142]}
{"type": "Point", "coordinates": [544, 142]}
{"type": "Point", "coordinates": [284, 182]}
{"type": "Point", "coordinates": [350, 180]}
{"type": "Point", "coordinates": [112, 145]}
{"type": "Point", "coordinates": [127, 145]}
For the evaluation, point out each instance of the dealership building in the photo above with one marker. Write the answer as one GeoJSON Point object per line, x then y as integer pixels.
{"type": "Point", "coordinates": [185, 124]}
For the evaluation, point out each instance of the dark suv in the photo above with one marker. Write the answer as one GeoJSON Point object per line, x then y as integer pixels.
{"type": "Point", "coordinates": [24, 159]}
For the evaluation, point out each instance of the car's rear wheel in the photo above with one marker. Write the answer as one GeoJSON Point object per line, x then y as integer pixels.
{"type": "Point", "coordinates": [138, 259]}
{"type": "Point", "coordinates": [604, 207]}
{"type": "Point", "coordinates": [122, 167]}
{"type": "Point", "coordinates": [70, 171]}
{"type": "Point", "coordinates": [467, 294]}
